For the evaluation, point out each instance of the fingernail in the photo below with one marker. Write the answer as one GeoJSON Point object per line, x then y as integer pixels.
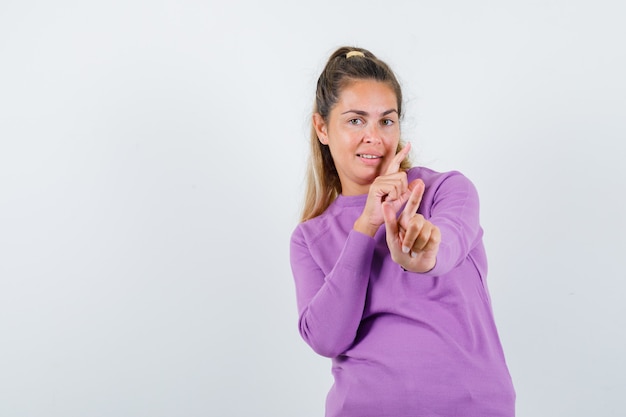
{"type": "Point", "coordinates": [413, 254]}
{"type": "Point", "coordinates": [405, 249]}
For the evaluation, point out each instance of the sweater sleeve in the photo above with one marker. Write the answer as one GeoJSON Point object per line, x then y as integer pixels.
{"type": "Point", "coordinates": [455, 210]}
{"type": "Point", "coordinates": [331, 305]}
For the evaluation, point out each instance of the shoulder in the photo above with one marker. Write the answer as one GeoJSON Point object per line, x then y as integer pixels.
{"type": "Point", "coordinates": [310, 230]}
{"type": "Point", "coordinates": [444, 189]}
{"type": "Point", "coordinates": [435, 179]}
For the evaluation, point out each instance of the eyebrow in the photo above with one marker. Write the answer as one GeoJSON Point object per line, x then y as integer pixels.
{"type": "Point", "coordinates": [364, 113]}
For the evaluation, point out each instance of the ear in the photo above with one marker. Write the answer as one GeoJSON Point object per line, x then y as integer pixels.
{"type": "Point", "coordinates": [320, 128]}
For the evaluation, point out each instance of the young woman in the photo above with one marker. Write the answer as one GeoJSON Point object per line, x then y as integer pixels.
{"type": "Point", "coordinates": [389, 264]}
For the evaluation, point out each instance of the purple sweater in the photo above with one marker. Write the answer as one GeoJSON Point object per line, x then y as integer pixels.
{"type": "Point", "coordinates": [403, 344]}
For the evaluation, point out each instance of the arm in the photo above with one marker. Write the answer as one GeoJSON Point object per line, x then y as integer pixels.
{"type": "Point", "coordinates": [450, 223]}
{"type": "Point", "coordinates": [436, 241]}
{"type": "Point", "coordinates": [331, 302]}
{"type": "Point", "coordinates": [331, 306]}
{"type": "Point", "coordinates": [455, 210]}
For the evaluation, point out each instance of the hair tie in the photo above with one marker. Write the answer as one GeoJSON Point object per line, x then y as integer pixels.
{"type": "Point", "coordinates": [355, 53]}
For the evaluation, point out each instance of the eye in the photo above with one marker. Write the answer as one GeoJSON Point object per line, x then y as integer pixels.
{"type": "Point", "coordinates": [355, 122]}
{"type": "Point", "coordinates": [387, 122]}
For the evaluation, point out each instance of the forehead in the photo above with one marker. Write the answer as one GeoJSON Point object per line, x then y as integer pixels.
{"type": "Point", "coordinates": [368, 94]}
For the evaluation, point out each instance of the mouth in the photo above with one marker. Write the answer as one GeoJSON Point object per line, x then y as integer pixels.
{"type": "Point", "coordinates": [368, 156]}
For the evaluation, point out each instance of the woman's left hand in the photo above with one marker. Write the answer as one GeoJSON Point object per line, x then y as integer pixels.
{"type": "Point", "coordinates": [412, 240]}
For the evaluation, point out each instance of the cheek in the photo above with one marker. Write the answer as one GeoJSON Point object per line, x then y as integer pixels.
{"type": "Point", "coordinates": [338, 150]}
{"type": "Point", "coordinates": [394, 145]}
{"type": "Point", "coordinates": [344, 141]}
{"type": "Point", "coordinates": [342, 152]}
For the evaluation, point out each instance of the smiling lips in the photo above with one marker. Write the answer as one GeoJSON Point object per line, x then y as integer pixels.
{"type": "Point", "coordinates": [368, 156]}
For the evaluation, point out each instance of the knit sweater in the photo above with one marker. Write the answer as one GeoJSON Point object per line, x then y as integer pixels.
{"type": "Point", "coordinates": [403, 344]}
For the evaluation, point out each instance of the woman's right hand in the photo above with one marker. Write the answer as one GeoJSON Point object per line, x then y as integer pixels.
{"type": "Point", "coordinates": [391, 187]}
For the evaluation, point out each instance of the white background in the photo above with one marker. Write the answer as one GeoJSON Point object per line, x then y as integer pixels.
{"type": "Point", "coordinates": [151, 171]}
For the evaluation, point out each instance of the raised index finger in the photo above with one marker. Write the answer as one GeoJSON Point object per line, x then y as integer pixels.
{"type": "Point", "coordinates": [394, 166]}
{"type": "Point", "coordinates": [415, 199]}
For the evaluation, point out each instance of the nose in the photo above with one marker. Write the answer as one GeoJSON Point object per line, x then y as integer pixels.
{"type": "Point", "coordinates": [372, 134]}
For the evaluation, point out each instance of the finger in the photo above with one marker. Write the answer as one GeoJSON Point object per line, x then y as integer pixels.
{"type": "Point", "coordinates": [394, 166]}
{"type": "Point", "coordinates": [422, 239]}
{"type": "Point", "coordinates": [413, 231]}
{"type": "Point", "coordinates": [434, 240]}
{"type": "Point", "coordinates": [391, 223]}
{"type": "Point", "coordinates": [387, 191]}
{"type": "Point", "coordinates": [428, 240]}
{"type": "Point", "coordinates": [415, 199]}
{"type": "Point", "coordinates": [391, 187]}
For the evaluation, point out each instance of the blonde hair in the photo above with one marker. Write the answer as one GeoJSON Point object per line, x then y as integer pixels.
{"type": "Point", "coordinates": [345, 65]}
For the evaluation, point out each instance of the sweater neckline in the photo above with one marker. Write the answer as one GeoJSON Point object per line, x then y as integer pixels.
{"type": "Point", "coordinates": [350, 200]}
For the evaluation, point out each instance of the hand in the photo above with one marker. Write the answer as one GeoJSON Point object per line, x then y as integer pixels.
{"type": "Point", "coordinates": [392, 188]}
{"type": "Point", "coordinates": [412, 240]}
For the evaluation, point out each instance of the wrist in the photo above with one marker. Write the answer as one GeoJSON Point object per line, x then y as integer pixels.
{"type": "Point", "coordinates": [363, 226]}
{"type": "Point", "coordinates": [422, 267]}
